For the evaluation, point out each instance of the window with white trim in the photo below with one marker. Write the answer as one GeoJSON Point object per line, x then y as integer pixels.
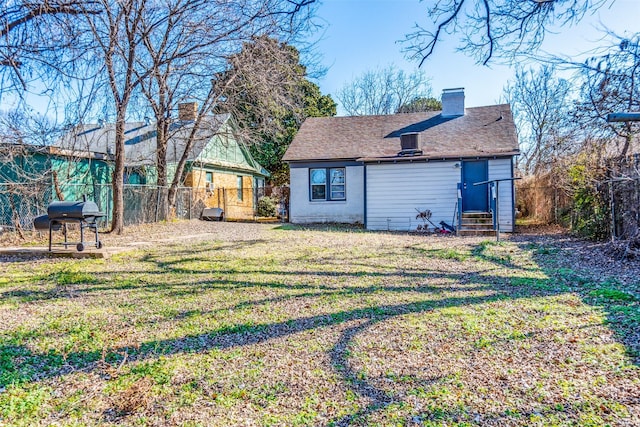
{"type": "Point", "coordinates": [327, 184]}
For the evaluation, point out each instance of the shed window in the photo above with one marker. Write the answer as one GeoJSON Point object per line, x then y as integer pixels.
{"type": "Point", "coordinates": [327, 184]}
{"type": "Point", "coordinates": [240, 189]}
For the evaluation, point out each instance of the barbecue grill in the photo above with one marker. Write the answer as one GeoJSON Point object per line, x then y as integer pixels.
{"type": "Point", "coordinates": [59, 214]}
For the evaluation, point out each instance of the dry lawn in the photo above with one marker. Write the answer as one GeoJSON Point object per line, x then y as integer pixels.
{"type": "Point", "coordinates": [261, 325]}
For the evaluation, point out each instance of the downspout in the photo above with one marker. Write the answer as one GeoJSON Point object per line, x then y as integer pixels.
{"type": "Point", "coordinates": [513, 200]}
{"type": "Point", "coordinates": [458, 212]}
{"type": "Point", "coordinates": [459, 207]}
{"type": "Point", "coordinates": [365, 196]}
{"type": "Point", "coordinates": [493, 206]}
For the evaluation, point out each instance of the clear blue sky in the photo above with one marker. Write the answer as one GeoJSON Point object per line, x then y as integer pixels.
{"type": "Point", "coordinates": [362, 35]}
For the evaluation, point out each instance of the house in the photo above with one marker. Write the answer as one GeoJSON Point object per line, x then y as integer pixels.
{"type": "Point", "coordinates": [219, 167]}
{"type": "Point", "coordinates": [30, 177]}
{"type": "Point", "coordinates": [382, 171]}
{"type": "Point", "coordinates": [220, 170]}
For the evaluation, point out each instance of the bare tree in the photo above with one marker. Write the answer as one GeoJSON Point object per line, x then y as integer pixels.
{"type": "Point", "coordinates": [22, 134]}
{"type": "Point", "coordinates": [16, 14]}
{"type": "Point", "coordinates": [541, 104]}
{"type": "Point", "coordinates": [261, 83]}
{"type": "Point", "coordinates": [169, 53]}
{"type": "Point", "coordinates": [194, 45]}
{"type": "Point", "coordinates": [183, 57]}
{"type": "Point", "coordinates": [169, 50]}
{"type": "Point", "coordinates": [79, 40]}
{"type": "Point", "coordinates": [244, 82]}
{"type": "Point", "coordinates": [35, 37]}
{"type": "Point", "coordinates": [611, 83]}
{"type": "Point", "coordinates": [495, 28]}
{"type": "Point", "coordinates": [383, 91]}
{"type": "Point", "coordinates": [115, 33]}
{"type": "Point", "coordinates": [25, 179]}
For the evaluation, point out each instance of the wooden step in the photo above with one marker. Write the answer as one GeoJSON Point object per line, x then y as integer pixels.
{"type": "Point", "coordinates": [476, 224]}
{"type": "Point", "coordinates": [467, 232]}
{"type": "Point", "coordinates": [476, 215]}
{"type": "Point", "coordinates": [477, 220]}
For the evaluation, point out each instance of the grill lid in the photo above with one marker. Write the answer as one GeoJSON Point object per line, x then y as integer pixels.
{"type": "Point", "coordinates": [76, 210]}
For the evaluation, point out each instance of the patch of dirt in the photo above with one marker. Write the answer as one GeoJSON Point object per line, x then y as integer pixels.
{"type": "Point", "coordinates": [598, 258]}
{"type": "Point", "coordinates": [194, 230]}
{"type": "Point", "coordinates": [148, 234]}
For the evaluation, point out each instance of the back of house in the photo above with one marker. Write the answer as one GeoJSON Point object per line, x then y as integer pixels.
{"type": "Point", "coordinates": [391, 172]}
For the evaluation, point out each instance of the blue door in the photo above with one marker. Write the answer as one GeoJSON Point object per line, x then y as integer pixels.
{"type": "Point", "coordinates": [475, 197]}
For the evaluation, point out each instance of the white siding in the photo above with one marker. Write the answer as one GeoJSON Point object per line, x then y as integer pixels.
{"type": "Point", "coordinates": [395, 191]}
{"type": "Point", "coordinates": [303, 210]}
{"type": "Point", "coordinates": [501, 168]}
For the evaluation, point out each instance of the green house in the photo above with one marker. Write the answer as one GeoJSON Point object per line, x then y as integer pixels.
{"type": "Point", "coordinates": [32, 176]}
{"type": "Point", "coordinates": [220, 170]}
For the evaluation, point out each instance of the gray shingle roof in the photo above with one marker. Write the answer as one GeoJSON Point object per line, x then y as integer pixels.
{"type": "Point", "coordinates": [140, 140]}
{"type": "Point", "coordinates": [481, 132]}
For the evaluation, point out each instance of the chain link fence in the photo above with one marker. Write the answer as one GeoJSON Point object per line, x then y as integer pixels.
{"type": "Point", "coordinates": [623, 195]}
{"type": "Point", "coordinates": [21, 203]}
{"type": "Point", "coordinates": [242, 204]}
{"type": "Point", "coordinates": [608, 207]}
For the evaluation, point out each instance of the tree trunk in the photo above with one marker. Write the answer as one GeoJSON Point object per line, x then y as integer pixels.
{"type": "Point", "coordinates": [173, 189]}
{"type": "Point", "coordinates": [56, 186]}
{"type": "Point", "coordinates": [628, 139]}
{"type": "Point", "coordinates": [117, 223]}
{"type": "Point", "coordinates": [162, 133]}
{"type": "Point", "coordinates": [161, 161]}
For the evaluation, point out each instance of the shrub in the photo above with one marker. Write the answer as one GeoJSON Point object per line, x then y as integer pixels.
{"type": "Point", "coordinates": [590, 215]}
{"type": "Point", "coordinates": [266, 206]}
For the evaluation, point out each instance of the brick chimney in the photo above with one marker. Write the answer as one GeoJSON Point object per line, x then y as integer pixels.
{"type": "Point", "coordinates": [453, 102]}
{"type": "Point", "coordinates": [188, 111]}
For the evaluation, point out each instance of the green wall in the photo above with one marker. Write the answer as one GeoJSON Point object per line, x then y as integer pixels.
{"type": "Point", "coordinates": [223, 147]}
{"type": "Point", "coordinates": [27, 182]}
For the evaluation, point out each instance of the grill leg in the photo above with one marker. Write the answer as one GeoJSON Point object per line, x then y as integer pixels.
{"type": "Point", "coordinates": [95, 228]}
{"type": "Point", "coordinates": [50, 227]}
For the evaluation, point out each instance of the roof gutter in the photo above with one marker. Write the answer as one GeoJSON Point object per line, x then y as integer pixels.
{"type": "Point", "coordinates": [435, 157]}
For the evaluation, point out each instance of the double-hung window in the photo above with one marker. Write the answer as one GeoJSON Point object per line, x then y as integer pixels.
{"type": "Point", "coordinates": [327, 184]}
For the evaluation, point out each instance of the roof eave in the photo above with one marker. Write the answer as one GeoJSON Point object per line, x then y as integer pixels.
{"type": "Point", "coordinates": [315, 160]}
{"type": "Point", "coordinates": [230, 167]}
{"type": "Point", "coordinates": [438, 157]}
